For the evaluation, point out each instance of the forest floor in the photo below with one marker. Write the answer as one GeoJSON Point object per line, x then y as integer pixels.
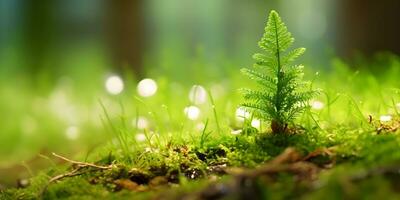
{"type": "Point", "coordinates": [345, 146]}
{"type": "Point", "coordinates": [330, 164]}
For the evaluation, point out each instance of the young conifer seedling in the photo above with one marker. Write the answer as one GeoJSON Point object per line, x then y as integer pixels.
{"type": "Point", "coordinates": [282, 94]}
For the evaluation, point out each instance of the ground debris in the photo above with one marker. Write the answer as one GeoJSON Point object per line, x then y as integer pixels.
{"type": "Point", "coordinates": [323, 157]}
{"type": "Point", "coordinates": [119, 177]}
{"type": "Point", "coordinates": [158, 181]}
{"type": "Point", "coordinates": [139, 176]}
{"type": "Point", "coordinates": [218, 169]}
{"type": "Point", "coordinates": [243, 182]}
{"type": "Point", "coordinates": [77, 169]}
{"type": "Point", "coordinates": [126, 184]}
{"type": "Point", "coordinates": [243, 185]}
{"type": "Point", "coordinates": [390, 126]}
{"type": "Point", "coordinates": [289, 161]}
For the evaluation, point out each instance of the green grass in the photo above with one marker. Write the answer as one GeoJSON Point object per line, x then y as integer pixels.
{"type": "Point", "coordinates": [189, 153]}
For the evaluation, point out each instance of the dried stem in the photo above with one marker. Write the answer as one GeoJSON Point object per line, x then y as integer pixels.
{"type": "Point", "coordinates": [83, 164]}
{"type": "Point", "coordinates": [76, 171]}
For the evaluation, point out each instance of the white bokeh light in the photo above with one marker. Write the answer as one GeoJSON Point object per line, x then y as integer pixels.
{"type": "Point", "coordinates": [62, 107]}
{"type": "Point", "coordinates": [72, 132]}
{"type": "Point", "coordinates": [241, 114]}
{"type": "Point", "coordinates": [198, 95]}
{"type": "Point", "coordinates": [256, 123]}
{"type": "Point", "coordinates": [114, 85]}
{"type": "Point", "coordinates": [385, 118]}
{"type": "Point", "coordinates": [200, 126]}
{"type": "Point", "coordinates": [140, 137]}
{"type": "Point", "coordinates": [192, 112]}
{"type": "Point", "coordinates": [147, 87]}
{"type": "Point", "coordinates": [398, 106]}
{"type": "Point", "coordinates": [236, 132]}
{"type": "Point", "coordinates": [140, 123]}
{"type": "Point", "coordinates": [317, 105]}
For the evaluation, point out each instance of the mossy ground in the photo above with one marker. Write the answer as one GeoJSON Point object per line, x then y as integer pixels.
{"type": "Point", "coordinates": [340, 151]}
{"type": "Point", "coordinates": [349, 163]}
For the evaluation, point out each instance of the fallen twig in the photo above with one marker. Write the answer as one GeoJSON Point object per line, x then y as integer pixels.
{"type": "Point", "coordinates": [78, 166]}
{"type": "Point", "coordinates": [61, 176]}
{"type": "Point", "coordinates": [72, 173]}
{"type": "Point", "coordinates": [83, 164]}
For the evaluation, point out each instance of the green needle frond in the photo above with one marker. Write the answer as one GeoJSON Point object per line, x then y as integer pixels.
{"type": "Point", "coordinates": [282, 94]}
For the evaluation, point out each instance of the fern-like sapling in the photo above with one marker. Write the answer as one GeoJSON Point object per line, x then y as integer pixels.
{"type": "Point", "coordinates": [282, 94]}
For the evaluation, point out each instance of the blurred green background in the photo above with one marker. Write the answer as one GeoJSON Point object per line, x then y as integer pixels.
{"type": "Point", "coordinates": [56, 56]}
